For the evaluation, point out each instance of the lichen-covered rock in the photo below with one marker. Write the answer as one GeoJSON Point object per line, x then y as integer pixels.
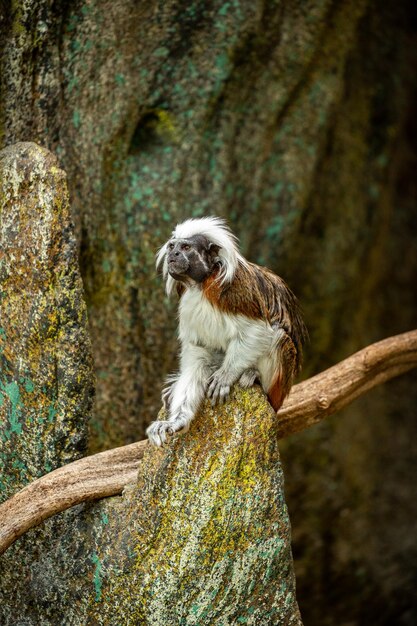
{"type": "Point", "coordinates": [46, 379]}
{"type": "Point", "coordinates": [204, 537]}
{"type": "Point", "coordinates": [220, 107]}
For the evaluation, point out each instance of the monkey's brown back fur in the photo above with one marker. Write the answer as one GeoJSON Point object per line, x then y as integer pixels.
{"type": "Point", "coordinates": [258, 293]}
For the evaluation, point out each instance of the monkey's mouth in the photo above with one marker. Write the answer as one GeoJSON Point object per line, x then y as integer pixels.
{"type": "Point", "coordinates": [177, 268]}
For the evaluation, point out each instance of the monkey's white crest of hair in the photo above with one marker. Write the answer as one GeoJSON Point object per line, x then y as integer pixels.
{"type": "Point", "coordinates": [218, 232]}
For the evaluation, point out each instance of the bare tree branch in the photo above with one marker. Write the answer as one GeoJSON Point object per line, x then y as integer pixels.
{"type": "Point", "coordinates": [330, 391]}
{"type": "Point", "coordinates": [94, 477]}
{"type": "Point", "coordinates": [107, 473]}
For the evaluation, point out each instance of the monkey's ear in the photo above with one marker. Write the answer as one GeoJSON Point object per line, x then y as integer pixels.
{"type": "Point", "coordinates": [213, 248]}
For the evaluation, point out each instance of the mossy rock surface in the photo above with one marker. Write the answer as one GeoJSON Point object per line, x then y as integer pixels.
{"type": "Point", "coordinates": [205, 535]}
{"type": "Point", "coordinates": [46, 378]}
{"type": "Point", "coordinates": [202, 538]}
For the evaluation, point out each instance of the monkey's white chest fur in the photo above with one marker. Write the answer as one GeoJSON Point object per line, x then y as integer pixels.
{"type": "Point", "coordinates": [202, 323]}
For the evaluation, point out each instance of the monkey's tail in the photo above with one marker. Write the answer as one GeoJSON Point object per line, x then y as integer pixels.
{"type": "Point", "coordinates": [285, 371]}
{"type": "Point", "coordinates": [276, 395]}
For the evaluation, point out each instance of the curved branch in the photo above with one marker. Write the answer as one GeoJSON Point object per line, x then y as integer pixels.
{"type": "Point", "coordinates": [91, 478]}
{"type": "Point", "coordinates": [330, 391]}
{"type": "Point", "coordinates": [107, 473]}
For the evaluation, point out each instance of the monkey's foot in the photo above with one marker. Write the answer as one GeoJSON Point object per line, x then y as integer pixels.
{"type": "Point", "coordinates": [248, 378]}
{"type": "Point", "coordinates": [160, 432]}
{"type": "Point", "coordinates": [218, 389]}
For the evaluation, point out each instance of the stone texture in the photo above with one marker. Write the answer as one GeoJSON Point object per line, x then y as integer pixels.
{"type": "Point", "coordinates": [205, 538]}
{"type": "Point", "coordinates": [202, 538]}
{"type": "Point", "coordinates": [51, 575]}
{"type": "Point", "coordinates": [46, 379]}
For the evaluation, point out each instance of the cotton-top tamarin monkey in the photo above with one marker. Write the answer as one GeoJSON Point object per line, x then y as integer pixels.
{"type": "Point", "coordinates": [238, 323]}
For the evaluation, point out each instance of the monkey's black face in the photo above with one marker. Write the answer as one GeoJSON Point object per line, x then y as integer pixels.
{"type": "Point", "coordinates": [193, 258]}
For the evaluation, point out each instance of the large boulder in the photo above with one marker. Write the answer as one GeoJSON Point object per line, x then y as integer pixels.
{"type": "Point", "coordinates": [46, 378]}
{"type": "Point", "coordinates": [204, 536]}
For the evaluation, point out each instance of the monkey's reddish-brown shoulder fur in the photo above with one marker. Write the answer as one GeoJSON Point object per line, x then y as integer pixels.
{"type": "Point", "coordinates": [258, 293]}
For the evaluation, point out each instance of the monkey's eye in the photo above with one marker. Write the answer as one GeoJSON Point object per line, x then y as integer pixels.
{"type": "Point", "coordinates": [185, 246]}
{"type": "Point", "coordinates": [170, 246]}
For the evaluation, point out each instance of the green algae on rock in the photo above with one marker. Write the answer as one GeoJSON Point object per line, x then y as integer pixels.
{"type": "Point", "coordinates": [46, 380]}
{"type": "Point", "coordinates": [205, 538]}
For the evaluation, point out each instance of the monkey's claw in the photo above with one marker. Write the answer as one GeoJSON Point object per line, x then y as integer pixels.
{"type": "Point", "coordinates": [161, 432]}
{"type": "Point", "coordinates": [248, 378]}
{"type": "Point", "coordinates": [218, 389]}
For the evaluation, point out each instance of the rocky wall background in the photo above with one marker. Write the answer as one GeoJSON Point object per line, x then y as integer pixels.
{"type": "Point", "coordinates": [294, 120]}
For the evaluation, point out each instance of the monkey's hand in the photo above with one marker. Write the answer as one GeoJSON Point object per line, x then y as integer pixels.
{"type": "Point", "coordinates": [219, 385]}
{"type": "Point", "coordinates": [160, 432]}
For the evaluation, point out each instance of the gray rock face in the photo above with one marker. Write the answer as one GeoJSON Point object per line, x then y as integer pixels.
{"type": "Point", "coordinates": [46, 379]}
